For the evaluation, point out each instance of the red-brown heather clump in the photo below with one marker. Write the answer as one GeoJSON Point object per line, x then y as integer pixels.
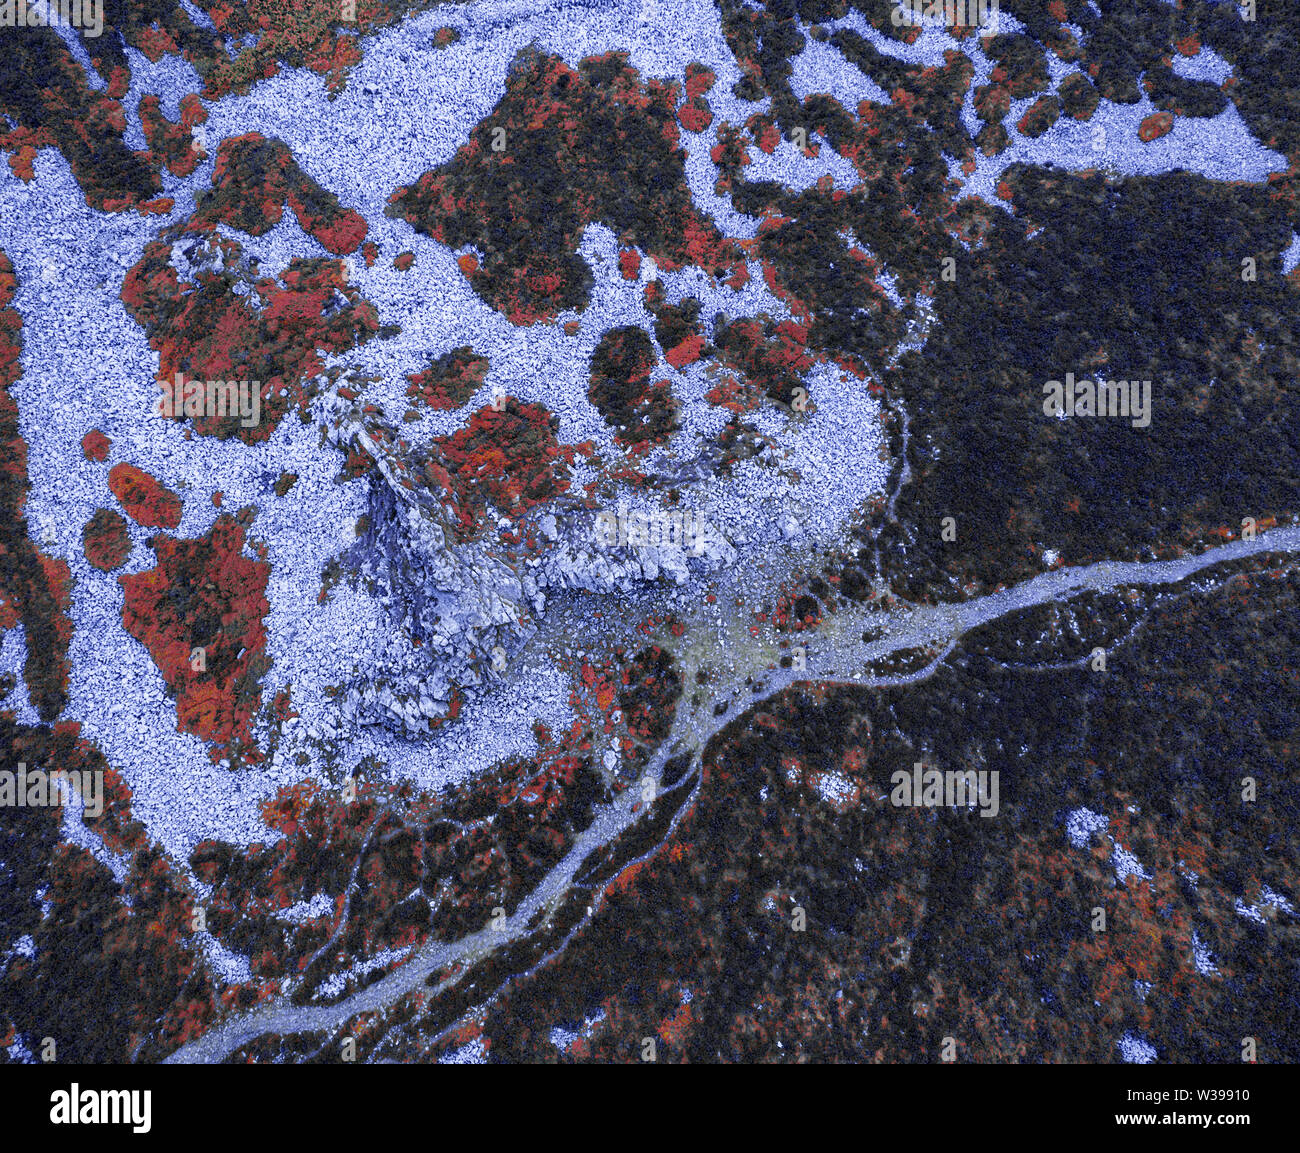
{"type": "Point", "coordinates": [1021, 66]}
{"type": "Point", "coordinates": [1156, 125]}
{"type": "Point", "coordinates": [105, 540]}
{"type": "Point", "coordinates": [648, 698]}
{"type": "Point", "coordinates": [699, 79]}
{"type": "Point", "coordinates": [510, 457]}
{"type": "Point", "coordinates": [147, 502]}
{"type": "Point", "coordinates": [205, 330]}
{"type": "Point", "coordinates": [773, 357]}
{"type": "Point", "coordinates": [992, 102]}
{"type": "Point", "coordinates": [797, 609]}
{"type": "Point", "coordinates": [171, 144]}
{"type": "Point", "coordinates": [252, 180]}
{"type": "Point", "coordinates": [403, 261]}
{"type": "Point", "coordinates": [199, 613]}
{"type": "Point", "coordinates": [450, 380]}
{"type": "Point", "coordinates": [676, 327]}
{"type": "Point", "coordinates": [53, 106]}
{"type": "Point", "coordinates": [570, 143]}
{"type": "Point", "coordinates": [1078, 96]}
{"type": "Point", "coordinates": [695, 114]}
{"type": "Point", "coordinates": [95, 445]}
{"type": "Point", "coordinates": [35, 586]}
{"type": "Point", "coordinates": [248, 43]}
{"type": "Point", "coordinates": [641, 412]}
{"type": "Point", "coordinates": [762, 127]}
{"type": "Point", "coordinates": [1040, 116]}
{"type": "Point", "coordinates": [309, 33]}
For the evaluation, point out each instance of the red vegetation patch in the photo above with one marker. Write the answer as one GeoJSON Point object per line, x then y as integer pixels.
{"type": "Point", "coordinates": [699, 79]}
{"type": "Point", "coordinates": [676, 327]}
{"type": "Point", "coordinates": [403, 260]}
{"type": "Point", "coordinates": [510, 457]}
{"type": "Point", "coordinates": [173, 144]}
{"type": "Point", "coordinates": [648, 698]}
{"type": "Point", "coordinates": [695, 114]}
{"type": "Point", "coordinates": [575, 142]}
{"type": "Point", "coordinates": [772, 356]}
{"type": "Point", "coordinates": [254, 177]}
{"type": "Point", "coordinates": [629, 263]}
{"type": "Point", "coordinates": [205, 595]}
{"type": "Point", "coordinates": [52, 105]}
{"type": "Point", "coordinates": [307, 33]}
{"type": "Point", "coordinates": [640, 412]}
{"type": "Point", "coordinates": [1021, 65]}
{"type": "Point", "coordinates": [1154, 126]}
{"type": "Point", "coordinates": [412, 866]}
{"type": "Point", "coordinates": [1079, 96]}
{"type": "Point", "coordinates": [148, 503]}
{"type": "Point", "coordinates": [206, 330]}
{"type": "Point", "coordinates": [105, 540]}
{"type": "Point", "coordinates": [1040, 116]}
{"type": "Point", "coordinates": [95, 445]}
{"type": "Point", "coordinates": [686, 352]}
{"type": "Point", "coordinates": [991, 102]}
{"type": "Point", "coordinates": [763, 129]}
{"type": "Point", "coordinates": [450, 380]}
{"type": "Point", "coordinates": [37, 588]}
